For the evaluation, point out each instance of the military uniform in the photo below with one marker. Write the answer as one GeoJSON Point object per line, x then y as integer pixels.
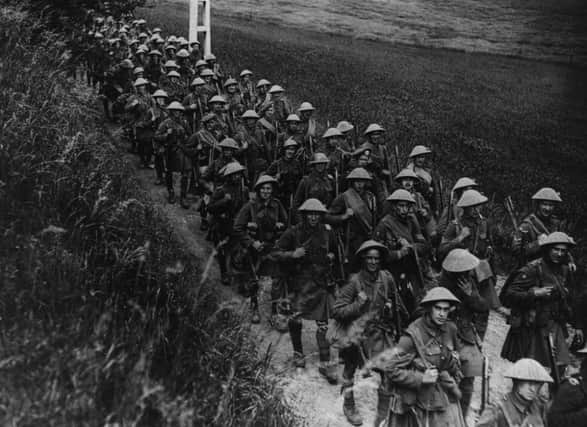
{"type": "Point", "coordinates": [512, 411]}
{"type": "Point", "coordinates": [255, 150]}
{"type": "Point", "coordinates": [288, 174]}
{"type": "Point", "coordinates": [569, 407]}
{"type": "Point", "coordinates": [530, 228]}
{"type": "Point", "coordinates": [316, 185]}
{"type": "Point", "coordinates": [139, 106]}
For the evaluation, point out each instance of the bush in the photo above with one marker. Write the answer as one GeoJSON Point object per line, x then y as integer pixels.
{"type": "Point", "coordinates": [100, 316]}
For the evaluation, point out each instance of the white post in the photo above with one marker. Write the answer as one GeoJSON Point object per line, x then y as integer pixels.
{"type": "Point", "coordinates": [194, 23]}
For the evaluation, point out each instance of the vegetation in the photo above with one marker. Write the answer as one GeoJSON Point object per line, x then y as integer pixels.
{"type": "Point", "coordinates": [100, 317]}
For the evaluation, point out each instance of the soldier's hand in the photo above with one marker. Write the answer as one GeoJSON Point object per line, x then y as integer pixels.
{"type": "Point", "coordinates": [423, 213]}
{"type": "Point", "coordinates": [330, 256]}
{"type": "Point", "coordinates": [403, 242]}
{"type": "Point", "coordinates": [404, 251]}
{"type": "Point", "coordinates": [362, 296]}
{"type": "Point", "coordinates": [299, 253]}
{"type": "Point", "coordinates": [169, 131]}
{"type": "Point", "coordinates": [542, 292]}
{"type": "Point", "coordinates": [349, 212]}
{"type": "Point", "coordinates": [430, 376]}
{"type": "Point", "coordinates": [257, 245]}
{"type": "Point", "coordinates": [227, 196]}
{"type": "Point", "coordinates": [465, 285]}
{"type": "Point", "coordinates": [541, 238]}
{"type": "Point", "coordinates": [279, 225]}
{"type": "Point", "coordinates": [572, 267]}
{"type": "Point", "coordinates": [193, 106]}
{"type": "Point", "coordinates": [465, 232]}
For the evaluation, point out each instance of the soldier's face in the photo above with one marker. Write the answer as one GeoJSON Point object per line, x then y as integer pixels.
{"type": "Point", "coordinates": [313, 219]}
{"type": "Point", "coordinates": [160, 101]}
{"type": "Point", "coordinates": [439, 312]}
{"type": "Point", "coordinates": [246, 78]}
{"type": "Point", "coordinates": [558, 254]}
{"type": "Point", "coordinates": [176, 114]}
{"type": "Point", "coordinates": [305, 115]}
{"type": "Point", "coordinates": [265, 191]}
{"type": "Point", "coordinates": [141, 90]}
{"type": "Point", "coordinates": [227, 153]}
{"type": "Point", "coordinates": [208, 79]}
{"type": "Point", "coordinates": [372, 260]}
{"type": "Point", "coordinates": [377, 138]}
{"type": "Point", "coordinates": [251, 123]}
{"type": "Point", "coordinates": [320, 167]}
{"type": "Point", "coordinates": [528, 390]}
{"type": "Point", "coordinates": [231, 88]}
{"type": "Point", "coordinates": [173, 79]}
{"type": "Point", "coordinates": [545, 208]}
{"type": "Point", "coordinates": [217, 107]}
{"type": "Point", "coordinates": [360, 186]}
{"type": "Point", "coordinates": [473, 211]}
{"type": "Point", "coordinates": [420, 161]}
{"type": "Point", "coordinates": [402, 209]}
{"type": "Point", "coordinates": [363, 161]}
{"type": "Point", "coordinates": [293, 126]}
{"type": "Point", "coordinates": [276, 96]}
{"type": "Point", "coordinates": [289, 152]}
{"type": "Point", "coordinates": [407, 184]}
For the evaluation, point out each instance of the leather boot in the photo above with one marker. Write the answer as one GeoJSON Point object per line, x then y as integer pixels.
{"type": "Point", "coordinates": [329, 370]}
{"type": "Point", "coordinates": [349, 408]}
{"type": "Point", "coordinates": [295, 334]}
{"type": "Point", "coordinates": [383, 398]}
{"type": "Point", "coordinates": [183, 193]}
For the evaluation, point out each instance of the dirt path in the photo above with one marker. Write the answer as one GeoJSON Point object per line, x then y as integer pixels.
{"type": "Point", "coordinates": [316, 401]}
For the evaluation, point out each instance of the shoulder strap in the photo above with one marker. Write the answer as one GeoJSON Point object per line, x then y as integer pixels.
{"type": "Point", "coordinates": [419, 345]}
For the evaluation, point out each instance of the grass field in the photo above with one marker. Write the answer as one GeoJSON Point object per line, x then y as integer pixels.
{"type": "Point", "coordinates": [513, 124]}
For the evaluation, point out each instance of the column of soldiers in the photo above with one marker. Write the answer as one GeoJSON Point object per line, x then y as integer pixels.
{"type": "Point", "coordinates": [396, 277]}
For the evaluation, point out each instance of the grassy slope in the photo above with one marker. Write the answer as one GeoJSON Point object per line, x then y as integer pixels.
{"type": "Point", "coordinates": [513, 124]}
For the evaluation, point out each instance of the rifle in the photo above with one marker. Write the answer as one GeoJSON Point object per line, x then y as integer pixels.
{"type": "Point", "coordinates": [336, 182]}
{"type": "Point", "coordinates": [341, 256]}
{"type": "Point", "coordinates": [291, 211]}
{"type": "Point", "coordinates": [552, 359]}
{"type": "Point", "coordinates": [311, 140]}
{"type": "Point", "coordinates": [484, 384]}
{"type": "Point", "coordinates": [509, 206]}
{"type": "Point", "coordinates": [389, 167]}
{"type": "Point", "coordinates": [276, 149]}
{"type": "Point", "coordinates": [396, 152]}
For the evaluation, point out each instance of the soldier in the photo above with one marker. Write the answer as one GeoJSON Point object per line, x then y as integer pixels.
{"type": "Point", "coordinates": [537, 225]}
{"type": "Point", "coordinates": [225, 203]}
{"type": "Point", "coordinates": [423, 369]}
{"type": "Point", "coordinates": [430, 183]}
{"type": "Point", "coordinates": [336, 156]}
{"type": "Point", "coordinates": [217, 105]}
{"type": "Point", "coordinates": [474, 232]}
{"type": "Point", "coordinates": [118, 85]}
{"type": "Point", "coordinates": [173, 134]}
{"type": "Point", "coordinates": [246, 88]}
{"type": "Point", "coordinates": [317, 184]}
{"type": "Point", "coordinates": [153, 67]}
{"type": "Point", "coordinates": [234, 99]}
{"type": "Point", "coordinates": [267, 125]}
{"type": "Point", "coordinates": [265, 218]}
{"type": "Point", "coordinates": [538, 295]}
{"type": "Point", "coordinates": [458, 276]}
{"type": "Point", "coordinates": [287, 170]}
{"type": "Point", "coordinates": [569, 407]}
{"type": "Point", "coordinates": [195, 102]}
{"type": "Point", "coordinates": [375, 135]}
{"type": "Point", "coordinates": [185, 70]}
{"type": "Point", "coordinates": [174, 86]}
{"type": "Point", "coordinates": [354, 212]}
{"type": "Point", "coordinates": [210, 88]}
{"type": "Point", "coordinates": [195, 55]}
{"type": "Point", "coordinates": [263, 97]}
{"type": "Point", "coordinates": [308, 123]}
{"type": "Point", "coordinates": [254, 146]}
{"type": "Point", "coordinates": [310, 246]}
{"type": "Point", "coordinates": [368, 313]}
{"type": "Point", "coordinates": [293, 131]}
{"type": "Point", "coordinates": [170, 50]}
{"type": "Point", "coordinates": [158, 113]}
{"type": "Point", "coordinates": [407, 179]}
{"type": "Point", "coordinates": [228, 148]}
{"type": "Point", "coordinates": [218, 78]}
{"type": "Point", "coordinates": [139, 105]}
{"type": "Point", "coordinates": [349, 143]}
{"type": "Point", "coordinates": [523, 406]}
{"type": "Point", "coordinates": [408, 249]}
{"type": "Point", "coordinates": [361, 157]}
{"type": "Point", "coordinates": [281, 105]}
{"type": "Point", "coordinates": [451, 211]}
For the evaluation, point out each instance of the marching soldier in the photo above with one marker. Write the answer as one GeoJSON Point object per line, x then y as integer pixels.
{"type": "Point", "coordinates": [539, 297]}
{"type": "Point", "coordinates": [195, 102]}
{"type": "Point", "coordinates": [267, 125]}
{"type": "Point", "coordinates": [246, 88]}
{"type": "Point", "coordinates": [361, 158]}
{"type": "Point", "coordinates": [407, 179]}
{"type": "Point", "coordinates": [173, 134]}
{"type": "Point", "coordinates": [310, 246]}
{"type": "Point", "coordinates": [408, 249]}
{"type": "Point", "coordinates": [218, 78]}
{"type": "Point", "coordinates": [523, 406]}
{"type": "Point", "coordinates": [308, 124]}
{"type": "Point", "coordinates": [210, 88]}
{"type": "Point", "coordinates": [474, 232]}
{"type": "Point", "coordinates": [228, 149]}
{"type": "Point", "coordinates": [174, 86]}
{"type": "Point", "coordinates": [451, 211]}
{"type": "Point", "coordinates": [292, 131]}
{"type": "Point", "coordinates": [139, 106]}
{"type": "Point", "coordinates": [225, 203]}
{"type": "Point", "coordinates": [346, 128]}
{"type": "Point", "coordinates": [287, 170]}
{"type": "Point", "coordinates": [375, 135]}
{"type": "Point", "coordinates": [184, 69]}
{"type": "Point", "coordinates": [263, 99]}
{"type": "Point", "coordinates": [217, 105]}
{"type": "Point", "coordinates": [265, 218]}
{"type": "Point", "coordinates": [336, 156]}
{"type": "Point", "coordinates": [234, 99]}
{"type": "Point", "coordinates": [369, 316]}
{"type": "Point", "coordinates": [458, 276]}
{"type": "Point", "coordinates": [281, 105]}
{"type": "Point", "coordinates": [430, 184]}
{"type": "Point", "coordinates": [354, 212]}
{"type": "Point", "coordinates": [153, 67]}
{"type": "Point", "coordinates": [254, 146]}
{"type": "Point", "coordinates": [158, 113]}
{"type": "Point", "coordinates": [317, 184]}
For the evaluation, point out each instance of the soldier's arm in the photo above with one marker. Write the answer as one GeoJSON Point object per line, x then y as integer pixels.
{"type": "Point", "coordinates": [161, 133]}
{"type": "Point", "coordinates": [449, 240]}
{"type": "Point", "coordinates": [242, 218]}
{"type": "Point", "coordinates": [218, 203]}
{"type": "Point", "coordinates": [385, 236]}
{"type": "Point", "coordinates": [403, 375]}
{"type": "Point", "coordinates": [286, 245]}
{"type": "Point", "coordinates": [528, 241]}
{"type": "Point", "coordinates": [336, 212]}
{"type": "Point", "coordinates": [491, 417]}
{"type": "Point", "coordinates": [300, 193]}
{"type": "Point", "coordinates": [420, 243]}
{"type": "Point", "coordinates": [347, 306]}
{"type": "Point", "coordinates": [520, 292]}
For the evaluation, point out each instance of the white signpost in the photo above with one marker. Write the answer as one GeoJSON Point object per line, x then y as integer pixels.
{"type": "Point", "coordinates": [200, 23]}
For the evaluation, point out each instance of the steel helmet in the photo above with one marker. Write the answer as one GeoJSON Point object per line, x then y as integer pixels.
{"type": "Point", "coordinates": [138, 70]}
{"type": "Point", "coordinates": [419, 150]}
{"type": "Point", "coordinates": [582, 351]}
{"type": "Point", "coordinates": [171, 64]}
{"type": "Point", "coordinates": [141, 49]}
{"type": "Point", "coordinates": [293, 118]}
{"type": "Point", "coordinates": [312, 205]}
{"type": "Point", "coordinates": [471, 198]}
{"type": "Point", "coordinates": [464, 182]}
{"type": "Point", "coordinates": [229, 143]}
{"type": "Point", "coordinates": [143, 36]}
{"type": "Point", "coordinates": [370, 244]}
{"type": "Point", "coordinates": [439, 293]}
{"type": "Point", "coordinates": [209, 57]}
{"type": "Point", "coordinates": [263, 82]}
{"type": "Point", "coordinates": [127, 63]}
{"type": "Point", "coordinates": [557, 238]}
{"type": "Point", "coordinates": [306, 106]}
{"type": "Point", "coordinates": [265, 179]}
{"type": "Point", "coordinates": [290, 142]}
{"type": "Point", "coordinates": [198, 81]}
{"type": "Point", "coordinates": [172, 39]}
{"type": "Point", "coordinates": [99, 35]}
{"type": "Point", "coordinates": [318, 158]}
{"type": "Point", "coordinates": [156, 30]}
{"type": "Point", "coordinates": [176, 106]}
{"type": "Point", "coordinates": [170, 47]}
{"type": "Point", "coordinates": [160, 93]}
{"type": "Point", "coordinates": [229, 82]}
{"type": "Point", "coordinates": [155, 52]}
{"type": "Point", "coordinates": [460, 260]}
{"type": "Point", "coordinates": [217, 99]}
{"type": "Point", "coordinates": [201, 63]}
{"type": "Point", "coordinates": [359, 174]}
{"type": "Point", "coordinates": [122, 31]}
{"type": "Point", "coordinates": [276, 89]}
{"type": "Point", "coordinates": [528, 370]}
{"type": "Point", "coordinates": [193, 42]}
{"type": "Point", "coordinates": [401, 195]}
{"type": "Point", "coordinates": [206, 72]}
{"type": "Point", "coordinates": [182, 53]}
{"type": "Point", "coordinates": [245, 73]}
{"type": "Point", "coordinates": [182, 41]}
{"type": "Point", "coordinates": [140, 82]}
{"type": "Point", "coordinates": [406, 173]}
{"type": "Point", "coordinates": [548, 194]}
{"type": "Point", "coordinates": [250, 114]}
{"type": "Point", "coordinates": [373, 127]}
{"type": "Point", "coordinates": [344, 126]}
{"type": "Point", "coordinates": [332, 133]}
{"type": "Point", "coordinates": [141, 21]}
{"type": "Point", "coordinates": [173, 73]}
{"type": "Point", "coordinates": [232, 168]}
{"type": "Point", "coordinates": [132, 42]}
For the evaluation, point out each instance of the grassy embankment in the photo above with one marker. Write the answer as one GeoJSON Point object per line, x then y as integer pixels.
{"type": "Point", "coordinates": [513, 124]}
{"type": "Point", "coordinates": [101, 314]}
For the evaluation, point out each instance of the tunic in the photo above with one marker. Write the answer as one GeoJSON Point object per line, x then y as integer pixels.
{"type": "Point", "coordinates": [569, 407]}
{"type": "Point", "coordinates": [178, 149]}
{"type": "Point", "coordinates": [315, 185]}
{"type": "Point", "coordinates": [513, 408]}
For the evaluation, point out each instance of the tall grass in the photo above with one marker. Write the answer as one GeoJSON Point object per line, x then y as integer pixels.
{"type": "Point", "coordinates": [100, 318]}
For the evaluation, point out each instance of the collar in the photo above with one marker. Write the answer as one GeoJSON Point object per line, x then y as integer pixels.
{"type": "Point", "coordinates": [366, 277]}
{"type": "Point", "coordinates": [521, 405]}
{"type": "Point", "coordinates": [432, 328]}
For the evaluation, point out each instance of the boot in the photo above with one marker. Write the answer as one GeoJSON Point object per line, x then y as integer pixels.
{"type": "Point", "coordinates": [171, 197]}
{"type": "Point", "coordinates": [299, 360]}
{"type": "Point", "coordinates": [383, 398]}
{"type": "Point", "coordinates": [295, 334]}
{"type": "Point", "coordinates": [183, 193]}
{"type": "Point", "coordinates": [349, 408]}
{"type": "Point", "coordinates": [255, 317]}
{"type": "Point", "coordinates": [329, 371]}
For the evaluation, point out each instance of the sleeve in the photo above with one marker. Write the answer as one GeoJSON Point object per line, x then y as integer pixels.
{"type": "Point", "coordinates": [519, 293]}
{"type": "Point", "coordinates": [336, 211]}
{"type": "Point", "coordinates": [491, 417]}
{"type": "Point", "coordinates": [286, 245]}
{"type": "Point", "coordinates": [530, 246]}
{"type": "Point", "coordinates": [217, 202]}
{"type": "Point", "coordinates": [347, 306]}
{"type": "Point", "coordinates": [402, 375]}
{"type": "Point", "coordinates": [240, 224]}
{"type": "Point", "coordinates": [385, 236]}
{"type": "Point", "coordinates": [300, 193]}
{"type": "Point", "coordinates": [449, 240]}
